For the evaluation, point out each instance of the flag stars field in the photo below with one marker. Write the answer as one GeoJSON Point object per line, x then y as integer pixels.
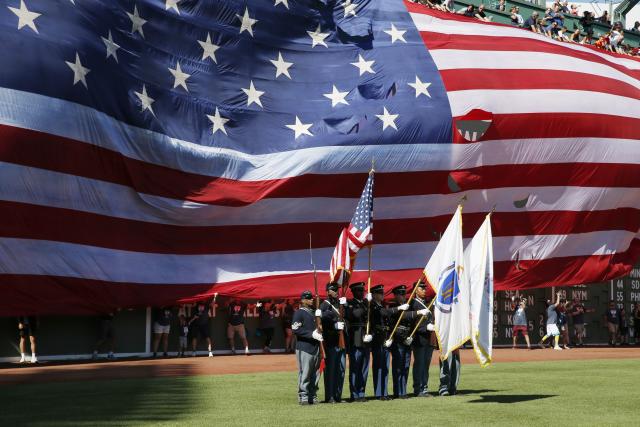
{"type": "Point", "coordinates": [388, 119]}
{"type": "Point", "coordinates": [337, 97]}
{"type": "Point", "coordinates": [136, 21]}
{"type": "Point", "coordinates": [420, 87]}
{"type": "Point", "coordinates": [317, 37]}
{"type": "Point", "coordinates": [179, 77]}
{"type": "Point", "coordinates": [363, 65]}
{"type": "Point", "coordinates": [112, 48]}
{"type": "Point", "coordinates": [79, 72]}
{"type": "Point", "coordinates": [396, 34]}
{"type": "Point", "coordinates": [282, 66]}
{"type": "Point", "coordinates": [145, 100]}
{"type": "Point", "coordinates": [253, 95]}
{"type": "Point", "coordinates": [217, 122]}
{"type": "Point", "coordinates": [26, 18]}
{"type": "Point", "coordinates": [247, 22]}
{"type": "Point", "coordinates": [173, 5]}
{"type": "Point", "coordinates": [209, 49]}
{"type": "Point", "coordinates": [300, 128]}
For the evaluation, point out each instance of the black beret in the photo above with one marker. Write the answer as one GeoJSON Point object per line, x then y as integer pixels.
{"type": "Point", "coordinates": [400, 289]}
{"type": "Point", "coordinates": [306, 295]}
{"type": "Point", "coordinates": [377, 289]}
{"type": "Point", "coordinates": [332, 286]}
{"type": "Point", "coordinates": [358, 286]}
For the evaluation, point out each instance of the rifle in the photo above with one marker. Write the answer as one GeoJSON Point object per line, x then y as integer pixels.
{"type": "Point", "coordinates": [341, 342]}
{"type": "Point", "coordinates": [317, 297]}
{"type": "Point", "coordinates": [389, 340]}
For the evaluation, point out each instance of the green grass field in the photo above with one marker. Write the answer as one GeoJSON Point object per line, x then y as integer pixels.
{"type": "Point", "coordinates": [593, 392]}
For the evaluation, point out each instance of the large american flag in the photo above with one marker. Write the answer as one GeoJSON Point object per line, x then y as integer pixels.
{"type": "Point", "coordinates": [158, 151]}
{"type": "Point", "coordinates": [353, 237]}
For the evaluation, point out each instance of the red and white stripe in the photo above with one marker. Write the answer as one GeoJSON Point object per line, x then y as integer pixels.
{"type": "Point", "coordinates": [349, 243]}
{"type": "Point", "coordinates": [96, 213]}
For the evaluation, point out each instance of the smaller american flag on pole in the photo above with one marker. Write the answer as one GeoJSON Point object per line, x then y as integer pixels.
{"type": "Point", "coordinates": [353, 237]}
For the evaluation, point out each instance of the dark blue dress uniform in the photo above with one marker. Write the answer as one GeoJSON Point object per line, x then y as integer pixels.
{"type": "Point", "coordinates": [422, 350]}
{"type": "Point", "coordinates": [381, 326]}
{"type": "Point", "coordinates": [307, 352]}
{"type": "Point", "coordinates": [450, 374]}
{"type": "Point", "coordinates": [359, 351]}
{"type": "Point", "coordinates": [400, 352]}
{"type": "Point", "coordinates": [335, 357]}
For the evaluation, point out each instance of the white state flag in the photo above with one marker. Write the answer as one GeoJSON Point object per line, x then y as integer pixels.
{"type": "Point", "coordinates": [445, 273]}
{"type": "Point", "coordinates": [478, 264]}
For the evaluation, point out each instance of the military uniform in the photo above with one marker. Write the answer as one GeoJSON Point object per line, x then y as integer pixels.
{"type": "Point", "coordinates": [400, 352]}
{"type": "Point", "coordinates": [335, 357]}
{"type": "Point", "coordinates": [381, 326]}
{"type": "Point", "coordinates": [307, 352]}
{"type": "Point", "coordinates": [422, 350]}
{"type": "Point", "coordinates": [359, 351]}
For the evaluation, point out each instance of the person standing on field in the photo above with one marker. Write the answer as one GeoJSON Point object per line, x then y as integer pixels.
{"type": "Point", "coordinates": [287, 320]}
{"type": "Point", "coordinates": [307, 349]}
{"type": "Point", "coordinates": [235, 325]}
{"type": "Point", "coordinates": [266, 322]}
{"type": "Point", "coordinates": [552, 324]}
{"type": "Point", "coordinates": [520, 323]}
{"type": "Point", "coordinates": [199, 324]}
{"type": "Point", "coordinates": [28, 327]}
{"type": "Point", "coordinates": [612, 319]}
{"type": "Point", "coordinates": [161, 329]}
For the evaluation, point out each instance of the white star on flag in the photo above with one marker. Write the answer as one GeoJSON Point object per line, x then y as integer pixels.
{"type": "Point", "coordinates": [112, 48]}
{"type": "Point", "coordinates": [172, 4]}
{"type": "Point", "coordinates": [317, 37]}
{"type": "Point", "coordinates": [25, 16]}
{"type": "Point", "coordinates": [145, 100]}
{"type": "Point", "coordinates": [388, 119]}
{"type": "Point", "coordinates": [396, 34]}
{"type": "Point", "coordinates": [247, 22]}
{"type": "Point", "coordinates": [282, 66]}
{"type": "Point", "coordinates": [209, 49]}
{"type": "Point", "coordinates": [136, 21]}
{"type": "Point", "coordinates": [337, 97]}
{"type": "Point", "coordinates": [300, 128]}
{"type": "Point", "coordinates": [364, 66]}
{"type": "Point", "coordinates": [253, 95]}
{"type": "Point", "coordinates": [218, 122]}
{"type": "Point", "coordinates": [420, 87]}
{"type": "Point", "coordinates": [284, 2]}
{"type": "Point", "coordinates": [180, 78]}
{"type": "Point", "coordinates": [79, 72]}
{"type": "Point", "coordinates": [349, 8]}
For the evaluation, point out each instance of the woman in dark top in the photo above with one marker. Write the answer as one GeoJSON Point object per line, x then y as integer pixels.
{"type": "Point", "coordinates": [287, 318]}
{"type": "Point", "coordinates": [161, 326]}
{"type": "Point", "coordinates": [267, 322]}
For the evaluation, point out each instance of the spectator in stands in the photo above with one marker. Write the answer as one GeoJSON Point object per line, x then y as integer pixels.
{"type": "Point", "coordinates": [502, 5]}
{"type": "Point", "coordinates": [612, 319]}
{"type": "Point", "coordinates": [516, 18]}
{"type": "Point", "coordinates": [469, 11]}
{"type": "Point", "coordinates": [199, 327]}
{"type": "Point", "coordinates": [531, 23]}
{"type": "Point", "coordinates": [161, 327]}
{"type": "Point", "coordinates": [183, 334]}
{"type": "Point", "coordinates": [563, 323]}
{"type": "Point", "coordinates": [552, 324]}
{"type": "Point", "coordinates": [552, 30]}
{"type": "Point", "coordinates": [28, 327]}
{"type": "Point", "coordinates": [575, 36]}
{"type": "Point", "coordinates": [107, 335]}
{"type": "Point", "coordinates": [266, 323]}
{"type": "Point", "coordinates": [235, 325]}
{"type": "Point", "coordinates": [636, 27]}
{"type": "Point", "coordinates": [481, 15]}
{"type": "Point", "coordinates": [520, 324]}
{"type": "Point", "coordinates": [557, 16]}
{"type": "Point", "coordinates": [574, 10]}
{"type": "Point", "coordinates": [586, 22]}
{"type": "Point", "coordinates": [617, 37]}
{"type": "Point", "coordinates": [564, 7]}
{"type": "Point", "coordinates": [624, 327]}
{"type": "Point", "coordinates": [604, 18]}
{"type": "Point", "coordinates": [287, 317]}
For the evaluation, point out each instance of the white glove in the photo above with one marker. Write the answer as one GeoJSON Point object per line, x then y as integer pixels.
{"type": "Point", "coordinates": [318, 313]}
{"type": "Point", "coordinates": [368, 338]}
{"type": "Point", "coordinates": [408, 341]}
{"type": "Point", "coordinates": [430, 327]}
{"type": "Point", "coordinates": [343, 300]}
{"type": "Point", "coordinates": [259, 305]}
{"type": "Point", "coordinates": [339, 326]}
{"type": "Point", "coordinates": [369, 297]}
{"type": "Point", "coordinates": [403, 307]}
{"type": "Point", "coordinates": [423, 312]}
{"type": "Point", "coordinates": [317, 335]}
{"type": "Point", "coordinates": [388, 343]}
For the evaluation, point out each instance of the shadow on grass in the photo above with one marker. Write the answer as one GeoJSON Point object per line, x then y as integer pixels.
{"type": "Point", "coordinates": [510, 398]}
{"type": "Point", "coordinates": [101, 401]}
{"type": "Point", "coordinates": [468, 391]}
